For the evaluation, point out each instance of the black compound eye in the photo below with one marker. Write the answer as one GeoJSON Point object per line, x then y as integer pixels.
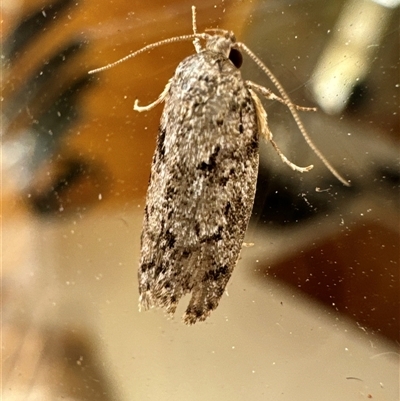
{"type": "Point", "coordinates": [236, 57]}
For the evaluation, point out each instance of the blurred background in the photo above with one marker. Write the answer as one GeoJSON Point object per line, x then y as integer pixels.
{"type": "Point", "coordinates": [312, 309]}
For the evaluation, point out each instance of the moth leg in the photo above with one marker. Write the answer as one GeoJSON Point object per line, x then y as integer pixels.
{"type": "Point", "coordinates": [268, 94]}
{"type": "Point", "coordinates": [265, 131]}
{"type": "Point", "coordinates": [150, 106]}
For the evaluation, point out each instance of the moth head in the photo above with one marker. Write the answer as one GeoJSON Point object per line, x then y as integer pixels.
{"type": "Point", "coordinates": [224, 42]}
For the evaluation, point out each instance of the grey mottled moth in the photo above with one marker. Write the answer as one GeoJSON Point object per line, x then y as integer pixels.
{"type": "Point", "coordinates": [204, 173]}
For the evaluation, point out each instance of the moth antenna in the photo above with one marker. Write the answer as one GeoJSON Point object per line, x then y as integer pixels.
{"type": "Point", "coordinates": [292, 109]}
{"type": "Point", "coordinates": [216, 30]}
{"type": "Point", "coordinates": [151, 46]}
{"type": "Point", "coordinates": [196, 41]}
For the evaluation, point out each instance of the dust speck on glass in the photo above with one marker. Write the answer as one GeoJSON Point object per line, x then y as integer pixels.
{"type": "Point", "coordinates": [204, 173]}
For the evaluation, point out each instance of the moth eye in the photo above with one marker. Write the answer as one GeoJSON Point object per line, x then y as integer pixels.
{"type": "Point", "coordinates": [236, 57]}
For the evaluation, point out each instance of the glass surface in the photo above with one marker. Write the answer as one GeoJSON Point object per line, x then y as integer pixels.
{"type": "Point", "coordinates": [311, 311]}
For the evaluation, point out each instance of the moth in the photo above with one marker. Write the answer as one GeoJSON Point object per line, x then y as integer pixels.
{"type": "Point", "coordinates": [204, 173]}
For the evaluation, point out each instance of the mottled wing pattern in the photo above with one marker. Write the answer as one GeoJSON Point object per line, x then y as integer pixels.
{"type": "Point", "coordinates": [202, 186]}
